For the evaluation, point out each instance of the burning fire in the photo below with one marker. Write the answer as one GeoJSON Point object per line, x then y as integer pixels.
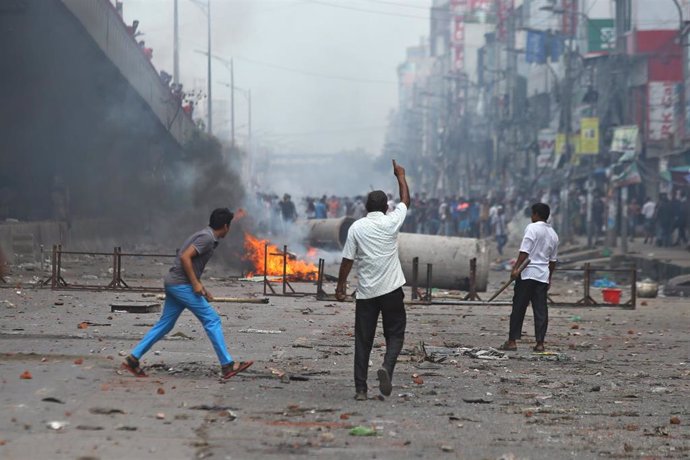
{"type": "Point", "coordinates": [295, 269]}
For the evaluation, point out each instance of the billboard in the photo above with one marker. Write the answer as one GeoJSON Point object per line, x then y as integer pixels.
{"type": "Point", "coordinates": [663, 101]}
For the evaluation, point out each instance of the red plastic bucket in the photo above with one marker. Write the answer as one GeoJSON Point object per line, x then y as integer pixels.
{"type": "Point", "coordinates": [612, 295]}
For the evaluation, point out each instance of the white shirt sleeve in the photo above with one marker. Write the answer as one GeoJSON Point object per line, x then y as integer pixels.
{"type": "Point", "coordinates": [527, 244]}
{"type": "Point", "coordinates": [554, 254]}
{"type": "Point", "coordinates": [397, 217]}
{"type": "Point", "coordinates": [350, 249]}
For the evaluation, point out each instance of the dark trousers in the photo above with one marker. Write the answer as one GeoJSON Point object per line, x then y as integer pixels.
{"type": "Point", "coordinates": [392, 310]}
{"type": "Point", "coordinates": [527, 291]}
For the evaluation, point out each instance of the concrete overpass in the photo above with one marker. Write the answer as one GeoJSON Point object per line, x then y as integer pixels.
{"type": "Point", "coordinates": [87, 128]}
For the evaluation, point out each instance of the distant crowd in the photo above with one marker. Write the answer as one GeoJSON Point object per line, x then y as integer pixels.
{"type": "Point", "coordinates": [449, 216]}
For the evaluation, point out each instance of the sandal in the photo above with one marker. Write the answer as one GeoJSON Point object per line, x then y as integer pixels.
{"type": "Point", "coordinates": [229, 370]}
{"type": "Point", "coordinates": [506, 347]}
{"type": "Point", "coordinates": [132, 365]}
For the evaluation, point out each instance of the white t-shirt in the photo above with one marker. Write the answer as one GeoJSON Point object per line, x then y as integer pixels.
{"type": "Point", "coordinates": [648, 209]}
{"type": "Point", "coordinates": [373, 242]}
{"type": "Point", "coordinates": [541, 244]}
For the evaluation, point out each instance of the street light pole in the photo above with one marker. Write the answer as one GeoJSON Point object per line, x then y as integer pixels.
{"type": "Point", "coordinates": [232, 103]}
{"type": "Point", "coordinates": [210, 85]}
{"type": "Point", "coordinates": [176, 46]}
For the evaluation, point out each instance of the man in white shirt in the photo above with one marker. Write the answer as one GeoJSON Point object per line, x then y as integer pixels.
{"type": "Point", "coordinates": [373, 242]}
{"type": "Point", "coordinates": [540, 245]}
{"type": "Point", "coordinates": [649, 212]}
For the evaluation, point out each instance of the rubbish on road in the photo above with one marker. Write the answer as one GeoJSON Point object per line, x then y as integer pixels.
{"type": "Point", "coordinates": [8, 303]}
{"type": "Point", "coordinates": [647, 288]}
{"type": "Point", "coordinates": [302, 342]}
{"type": "Point", "coordinates": [83, 325]}
{"type": "Point", "coordinates": [260, 331]}
{"type": "Point", "coordinates": [126, 428]}
{"type": "Point", "coordinates": [478, 400]}
{"type": "Point", "coordinates": [675, 420]}
{"type": "Point", "coordinates": [483, 353]}
{"type": "Point", "coordinates": [26, 375]}
{"type": "Point", "coordinates": [548, 356]}
{"type": "Point", "coordinates": [363, 431]}
{"type": "Point", "coordinates": [89, 427]}
{"type": "Point", "coordinates": [160, 391]}
{"type": "Point", "coordinates": [160, 416]}
{"type": "Point", "coordinates": [135, 307]}
{"type": "Point", "coordinates": [417, 379]}
{"type": "Point", "coordinates": [604, 283]}
{"type": "Point", "coordinates": [576, 318]}
{"type": "Point", "coordinates": [53, 400]}
{"type": "Point", "coordinates": [678, 286]}
{"type": "Point", "coordinates": [446, 448]}
{"type": "Point", "coordinates": [595, 388]}
{"type": "Point", "coordinates": [105, 411]}
{"type": "Point", "coordinates": [213, 408]}
{"type": "Point", "coordinates": [181, 335]}
{"type": "Point", "coordinates": [57, 425]}
{"type": "Point", "coordinates": [79, 361]}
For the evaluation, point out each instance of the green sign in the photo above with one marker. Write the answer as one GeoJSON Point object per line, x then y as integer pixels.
{"type": "Point", "coordinates": [601, 35]}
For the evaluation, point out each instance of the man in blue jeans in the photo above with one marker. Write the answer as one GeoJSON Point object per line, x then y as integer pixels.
{"type": "Point", "coordinates": [183, 289]}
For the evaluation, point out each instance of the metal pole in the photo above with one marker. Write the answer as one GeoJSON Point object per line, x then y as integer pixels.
{"type": "Point", "coordinates": [176, 47]}
{"type": "Point", "coordinates": [284, 269]}
{"type": "Point", "coordinates": [209, 74]}
{"type": "Point", "coordinates": [567, 119]}
{"type": "Point", "coordinates": [249, 122]}
{"type": "Point", "coordinates": [232, 103]}
{"type": "Point", "coordinates": [590, 202]}
{"type": "Point", "coordinates": [624, 219]}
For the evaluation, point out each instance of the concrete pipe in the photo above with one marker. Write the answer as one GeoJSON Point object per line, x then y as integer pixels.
{"type": "Point", "coordinates": [328, 233]}
{"type": "Point", "coordinates": [450, 259]}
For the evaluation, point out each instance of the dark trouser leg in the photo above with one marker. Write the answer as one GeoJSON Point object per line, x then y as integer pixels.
{"type": "Point", "coordinates": [540, 310]}
{"type": "Point", "coordinates": [366, 317]}
{"type": "Point", "coordinates": [522, 294]}
{"type": "Point", "coordinates": [394, 323]}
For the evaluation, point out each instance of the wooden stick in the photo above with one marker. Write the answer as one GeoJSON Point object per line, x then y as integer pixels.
{"type": "Point", "coordinates": [263, 300]}
{"type": "Point", "coordinates": [522, 266]}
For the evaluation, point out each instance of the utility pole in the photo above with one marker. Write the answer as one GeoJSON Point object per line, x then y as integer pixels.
{"type": "Point", "coordinates": [232, 103]}
{"type": "Point", "coordinates": [210, 79]}
{"type": "Point", "coordinates": [176, 47]}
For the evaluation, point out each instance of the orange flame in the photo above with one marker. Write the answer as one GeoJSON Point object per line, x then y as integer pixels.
{"type": "Point", "coordinates": [295, 269]}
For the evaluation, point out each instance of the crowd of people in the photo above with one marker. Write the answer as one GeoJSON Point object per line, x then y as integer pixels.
{"type": "Point", "coordinates": [450, 216]}
{"type": "Point", "coordinates": [661, 222]}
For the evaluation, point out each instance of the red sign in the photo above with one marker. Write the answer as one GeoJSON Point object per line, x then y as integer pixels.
{"type": "Point", "coordinates": [570, 18]}
{"type": "Point", "coordinates": [459, 8]}
{"type": "Point", "coordinates": [504, 9]}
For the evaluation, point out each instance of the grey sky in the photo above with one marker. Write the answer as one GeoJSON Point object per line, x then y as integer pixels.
{"type": "Point", "coordinates": [294, 111]}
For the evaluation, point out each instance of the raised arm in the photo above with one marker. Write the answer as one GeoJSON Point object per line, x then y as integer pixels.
{"type": "Point", "coordinates": [399, 173]}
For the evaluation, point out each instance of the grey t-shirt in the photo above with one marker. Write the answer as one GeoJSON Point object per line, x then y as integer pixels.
{"type": "Point", "coordinates": [204, 242]}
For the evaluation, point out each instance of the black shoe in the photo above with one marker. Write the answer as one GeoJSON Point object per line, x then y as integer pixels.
{"type": "Point", "coordinates": [361, 396]}
{"type": "Point", "coordinates": [384, 382]}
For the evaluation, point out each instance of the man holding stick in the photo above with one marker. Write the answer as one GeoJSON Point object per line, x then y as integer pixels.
{"type": "Point", "coordinates": [373, 242]}
{"type": "Point", "coordinates": [183, 290]}
{"type": "Point", "coordinates": [540, 245]}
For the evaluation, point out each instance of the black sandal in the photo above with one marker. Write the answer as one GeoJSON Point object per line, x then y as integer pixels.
{"type": "Point", "coordinates": [132, 365]}
{"type": "Point", "coordinates": [230, 371]}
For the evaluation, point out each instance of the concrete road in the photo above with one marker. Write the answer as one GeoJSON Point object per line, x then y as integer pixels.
{"type": "Point", "coordinates": [615, 387]}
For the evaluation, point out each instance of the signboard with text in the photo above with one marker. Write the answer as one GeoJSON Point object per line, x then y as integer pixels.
{"type": "Point", "coordinates": [663, 100]}
{"type": "Point", "coordinates": [589, 136]}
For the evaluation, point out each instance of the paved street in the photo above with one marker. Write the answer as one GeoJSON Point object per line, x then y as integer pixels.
{"type": "Point", "coordinates": [615, 386]}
